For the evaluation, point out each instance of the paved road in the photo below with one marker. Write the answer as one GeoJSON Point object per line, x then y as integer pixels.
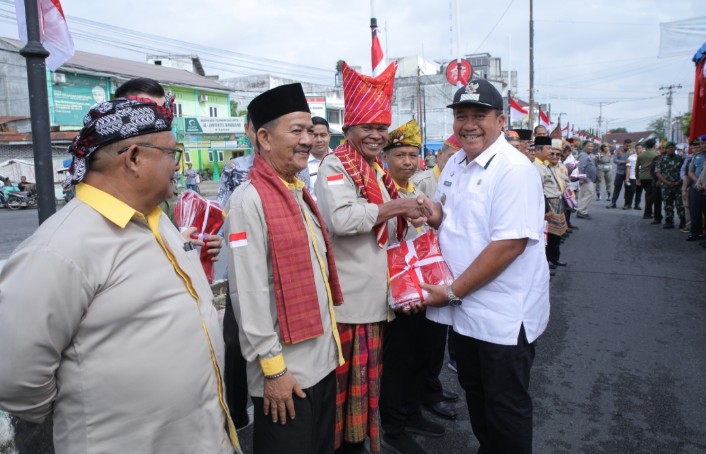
{"type": "Point", "coordinates": [622, 365]}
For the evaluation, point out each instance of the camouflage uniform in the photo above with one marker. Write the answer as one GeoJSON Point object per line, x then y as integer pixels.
{"type": "Point", "coordinates": [669, 167]}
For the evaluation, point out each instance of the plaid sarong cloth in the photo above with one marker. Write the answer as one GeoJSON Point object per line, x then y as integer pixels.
{"type": "Point", "coordinates": [358, 384]}
{"type": "Point", "coordinates": [556, 218]}
{"type": "Point", "coordinates": [298, 311]}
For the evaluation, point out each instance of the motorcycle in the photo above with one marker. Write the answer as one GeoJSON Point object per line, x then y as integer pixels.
{"type": "Point", "coordinates": [15, 199]}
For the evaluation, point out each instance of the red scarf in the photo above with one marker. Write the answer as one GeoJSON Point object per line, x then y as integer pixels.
{"type": "Point", "coordinates": [364, 177]}
{"type": "Point", "coordinates": [295, 289]}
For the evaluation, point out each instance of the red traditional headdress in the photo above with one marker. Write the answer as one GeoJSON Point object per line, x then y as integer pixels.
{"type": "Point", "coordinates": [368, 100]}
{"type": "Point", "coordinates": [453, 142]}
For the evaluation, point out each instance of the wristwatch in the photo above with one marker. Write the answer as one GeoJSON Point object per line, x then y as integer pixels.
{"type": "Point", "coordinates": [454, 301]}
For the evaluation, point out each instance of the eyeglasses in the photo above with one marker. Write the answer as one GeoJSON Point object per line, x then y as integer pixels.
{"type": "Point", "coordinates": [175, 152]}
{"type": "Point", "coordinates": [554, 154]}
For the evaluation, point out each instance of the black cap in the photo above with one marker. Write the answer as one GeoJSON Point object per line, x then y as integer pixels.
{"type": "Point", "coordinates": [542, 140]}
{"type": "Point", "coordinates": [277, 102]}
{"type": "Point", "coordinates": [478, 92]}
{"type": "Point", "coordinates": [524, 134]}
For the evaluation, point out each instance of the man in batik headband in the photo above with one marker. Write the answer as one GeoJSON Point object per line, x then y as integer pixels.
{"type": "Point", "coordinates": [364, 213]}
{"type": "Point", "coordinates": [121, 342]}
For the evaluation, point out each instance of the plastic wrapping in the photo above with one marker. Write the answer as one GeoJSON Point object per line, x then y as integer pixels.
{"type": "Point", "coordinates": [193, 210]}
{"type": "Point", "coordinates": [412, 263]}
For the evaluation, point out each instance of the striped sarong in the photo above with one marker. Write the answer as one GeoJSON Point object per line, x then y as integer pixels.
{"type": "Point", "coordinates": [358, 384]}
{"type": "Point", "coordinates": [556, 218]}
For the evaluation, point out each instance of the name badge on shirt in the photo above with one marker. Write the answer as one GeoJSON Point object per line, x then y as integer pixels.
{"type": "Point", "coordinates": [335, 180]}
{"type": "Point", "coordinates": [447, 183]}
{"type": "Point", "coordinates": [237, 239]}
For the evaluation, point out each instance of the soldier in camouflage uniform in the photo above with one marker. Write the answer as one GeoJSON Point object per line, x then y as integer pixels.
{"type": "Point", "coordinates": [667, 172]}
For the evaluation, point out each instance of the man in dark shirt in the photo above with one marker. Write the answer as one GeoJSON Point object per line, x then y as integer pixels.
{"type": "Point", "coordinates": [667, 172]}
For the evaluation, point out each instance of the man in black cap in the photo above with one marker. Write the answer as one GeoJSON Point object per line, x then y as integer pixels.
{"type": "Point", "coordinates": [491, 231]}
{"type": "Point", "coordinates": [284, 284]}
{"type": "Point", "coordinates": [525, 136]}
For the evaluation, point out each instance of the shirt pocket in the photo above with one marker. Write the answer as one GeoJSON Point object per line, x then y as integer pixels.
{"type": "Point", "coordinates": [471, 213]}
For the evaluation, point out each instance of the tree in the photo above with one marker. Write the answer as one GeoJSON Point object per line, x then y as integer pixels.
{"type": "Point", "coordinates": [659, 126]}
{"type": "Point", "coordinates": [686, 124]}
{"type": "Point", "coordinates": [339, 66]}
{"type": "Point", "coordinates": [617, 131]}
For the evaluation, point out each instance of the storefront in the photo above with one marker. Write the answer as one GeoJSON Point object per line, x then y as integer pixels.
{"type": "Point", "coordinates": [210, 142]}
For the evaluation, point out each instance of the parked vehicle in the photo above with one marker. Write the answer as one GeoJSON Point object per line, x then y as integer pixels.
{"type": "Point", "coordinates": [15, 199]}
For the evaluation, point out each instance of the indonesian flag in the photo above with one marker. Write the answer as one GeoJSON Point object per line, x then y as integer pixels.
{"type": "Point", "coordinates": [378, 57]}
{"type": "Point", "coordinates": [53, 30]}
{"type": "Point", "coordinates": [565, 131]}
{"type": "Point", "coordinates": [237, 239]}
{"type": "Point", "coordinates": [517, 112]}
{"type": "Point", "coordinates": [544, 119]}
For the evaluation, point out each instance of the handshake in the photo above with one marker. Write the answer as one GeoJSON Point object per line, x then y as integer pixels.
{"type": "Point", "coordinates": [418, 212]}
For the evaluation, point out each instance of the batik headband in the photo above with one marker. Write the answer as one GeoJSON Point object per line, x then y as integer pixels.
{"type": "Point", "coordinates": [112, 121]}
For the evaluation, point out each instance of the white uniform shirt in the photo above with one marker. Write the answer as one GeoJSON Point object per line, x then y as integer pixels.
{"type": "Point", "coordinates": [495, 197]}
{"type": "Point", "coordinates": [631, 166]}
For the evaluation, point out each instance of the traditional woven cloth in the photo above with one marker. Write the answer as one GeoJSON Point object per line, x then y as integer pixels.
{"type": "Point", "coordinates": [368, 100]}
{"type": "Point", "coordinates": [453, 142]}
{"type": "Point", "coordinates": [113, 121]}
{"type": "Point", "coordinates": [408, 134]}
{"type": "Point", "coordinates": [358, 384]}
{"type": "Point", "coordinates": [295, 290]}
{"type": "Point", "coordinates": [364, 177]}
{"type": "Point", "coordinates": [556, 219]}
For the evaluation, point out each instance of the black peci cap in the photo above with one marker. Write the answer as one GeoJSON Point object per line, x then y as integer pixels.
{"type": "Point", "coordinates": [277, 102]}
{"type": "Point", "coordinates": [524, 134]}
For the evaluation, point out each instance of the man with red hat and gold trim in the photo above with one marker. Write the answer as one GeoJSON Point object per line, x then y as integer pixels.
{"type": "Point", "coordinates": [362, 211]}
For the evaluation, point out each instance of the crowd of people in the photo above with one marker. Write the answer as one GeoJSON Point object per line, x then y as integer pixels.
{"type": "Point", "coordinates": [122, 344]}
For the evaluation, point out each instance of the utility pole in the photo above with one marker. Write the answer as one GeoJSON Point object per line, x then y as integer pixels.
{"type": "Point", "coordinates": [531, 69]}
{"type": "Point", "coordinates": [670, 89]}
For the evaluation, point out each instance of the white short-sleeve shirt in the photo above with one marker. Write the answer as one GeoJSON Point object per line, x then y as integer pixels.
{"type": "Point", "coordinates": [497, 196]}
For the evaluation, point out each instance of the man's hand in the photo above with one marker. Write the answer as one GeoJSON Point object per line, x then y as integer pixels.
{"type": "Point", "coordinates": [277, 397]}
{"type": "Point", "coordinates": [213, 243]}
{"type": "Point", "coordinates": [437, 295]}
{"type": "Point", "coordinates": [433, 210]}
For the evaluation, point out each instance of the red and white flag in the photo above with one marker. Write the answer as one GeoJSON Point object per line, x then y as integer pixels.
{"type": "Point", "coordinates": [565, 131]}
{"type": "Point", "coordinates": [237, 239]}
{"type": "Point", "coordinates": [517, 112]}
{"type": "Point", "coordinates": [335, 179]}
{"type": "Point", "coordinates": [544, 119]}
{"type": "Point", "coordinates": [54, 32]}
{"type": "Point", "coordinates": [378, 57]}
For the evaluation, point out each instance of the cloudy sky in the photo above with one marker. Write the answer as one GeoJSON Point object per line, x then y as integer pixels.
{"type": "Point", "coordinates": [586, 53]}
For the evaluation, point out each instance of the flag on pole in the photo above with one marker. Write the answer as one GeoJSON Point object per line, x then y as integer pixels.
{"type": "Point", "coordinates": [517, 112]}
{"type": "Point", "coordinates": [378, 57]}
{"type": "Point", "coordinates": [544, 119]}
{"type": "Point", "coordinates": [565, 130]}
{"type": "Point", "coordinates": [53, 29]}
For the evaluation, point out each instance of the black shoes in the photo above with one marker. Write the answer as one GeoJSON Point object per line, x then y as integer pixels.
{"type": "Point", "coordinates": [442, 410]}
{"type": "Point", "coordinates": [656, 221]}
{"type": "Point", "coordinates": [352, 448]}
{"type": "Point", "coordinates": [552, 266]}
{"type": "Point", "coordinates": [423, 426]}
{"type": "Point", "coordinates": [668, 225]}
{"type": "Point", "coordinates": [401, 444]}
{"type": "Point", "coordinates": [647, 216]}
{"type": "Point", "coordinates": [625, 207]}
{"type": "Point", "coordinates": [583, 216]}
{"type": "Point", "coordinates": [558, 263]}
{"type": "Point", "coordinates": [693, 237]}
{"type": "Point", "coordinates": [682, 223]}
{"type": "Point", "coordinates": [572, 227]}
{"type": "Point", "coordinates": [612, 205]}
{"type": "Point", "coordinates": [637, 207]}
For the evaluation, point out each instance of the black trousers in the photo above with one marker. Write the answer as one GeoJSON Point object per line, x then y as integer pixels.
{"type": "Point", "coordinates": [617, 186]}
{"type": "Point", "coordinates": [646, 185]}
{"type": "Point", "coordinates": [630, 193]}
{"type": "Point", "coordinates": [552, 249]}
{"type": "Point", "coordinates": [236, 381]}
{"type": "Point", "coordinates": [638, 194]}
{"type": "Point", "coordinates": [406, 352]}
{"type": "Point", "coordinates": [310, 432]}
{"type": "Point", "coordinates": [433, 392]}
{"type": "Point", "coordinates": [657, 196]}
{"type": "Point", "coordinates": [496, 380]}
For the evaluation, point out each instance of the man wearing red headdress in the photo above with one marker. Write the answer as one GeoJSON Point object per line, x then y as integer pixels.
{"type": "Point", "coordinates": [363, 212]}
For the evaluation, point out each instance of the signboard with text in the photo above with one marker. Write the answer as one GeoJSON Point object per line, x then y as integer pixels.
{"type": "Point", "coordinates": [72, 99]}
{"type": "Point", "coordinates": [214, 125]}
{"type": "Point", "coordinates": [317, 105]}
